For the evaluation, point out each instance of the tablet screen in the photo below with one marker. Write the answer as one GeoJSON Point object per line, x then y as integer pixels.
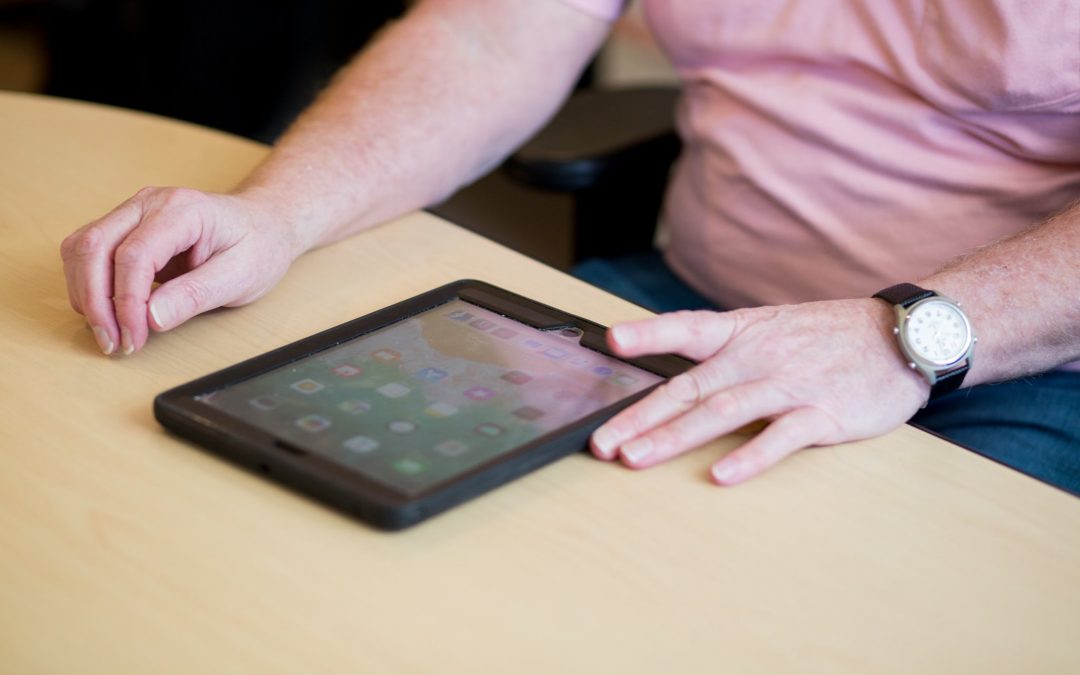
{"type": "Point", "coordinates": [420, 402]}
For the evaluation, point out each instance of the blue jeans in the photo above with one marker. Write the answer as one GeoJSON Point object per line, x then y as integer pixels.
{"type": "Point", "coordinates": [1031, 424]}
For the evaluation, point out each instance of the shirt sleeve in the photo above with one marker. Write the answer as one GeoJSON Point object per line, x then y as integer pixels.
{"type": "Point", "coordinates": [605, 10]}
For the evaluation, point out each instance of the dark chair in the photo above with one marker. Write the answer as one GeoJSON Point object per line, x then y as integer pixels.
{"type": "Point", "coordinates": [244, 66]}
{"type": "Point", "coordinates": [612, 151]}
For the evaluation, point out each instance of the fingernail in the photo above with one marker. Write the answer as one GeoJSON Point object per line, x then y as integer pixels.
{"type": "Point", "coordinates": [103, 340]}
{"type": "Point", "coordinates": [604, 441]}
{"type": "Point", "coordinates": [156, 314]}
{"type": "Point", "coordinates": [622, 335]}
{"type": "Point", "coordinates": [636, 451]}
{"type": "Point", "coordinates": [725, 471]}
{"type": "Point", "coordinates": [126, 344]}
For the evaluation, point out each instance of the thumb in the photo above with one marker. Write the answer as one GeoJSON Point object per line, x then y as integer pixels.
{"type": "Point", "coordinates": [208, 286]}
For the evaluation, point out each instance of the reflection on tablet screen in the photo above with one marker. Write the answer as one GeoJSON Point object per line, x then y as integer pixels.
{"type": "Point", "coordinates": [424, 400]}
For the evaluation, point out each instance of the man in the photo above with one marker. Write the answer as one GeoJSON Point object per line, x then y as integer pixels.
{"type": "Point", "coordinates": [830, 152]}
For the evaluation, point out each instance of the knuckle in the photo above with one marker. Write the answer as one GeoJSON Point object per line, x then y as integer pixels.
{"type": "Point", "coordinates": [668, 439]}
{"type": "Point", "coordinates": [685, 388]}
{"type": "Point", "coordinates": [170, 196]}
{"type": "Point", "coordinates": [692, 321]}
{"type": "Point", "coordinates": [625, 424]}
{"type": "Point", "coordinates": [67, 246]}
{"type": "Point", "coordinates": [88, 242]}
{"type": "Point", "coordinates": [740, 320]}
{"type": "Point", "coordinates": [179, 197]}
{"type": "Point", "coordinates": [194, 293]}
{"type": "Point", "coordinates": [786, 439]}
{"type": "Point", "coordinates": [124, 300]}
{"type": "Point", "coordinates": [706, 323]}
{"type": "Point", "coordinates": [635, 420]}
{"type": "Point", "coordinates": [723, 403]}
{"type": "Point", "coordinates": [829, 427]}
{"type": "Point", "coordinates": [131, 252]}
{"type": "Point", "coordinates": [787, 391]}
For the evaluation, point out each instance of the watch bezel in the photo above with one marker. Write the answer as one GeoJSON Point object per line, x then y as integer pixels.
{"type": "Point", "coordinates": [932, 368]}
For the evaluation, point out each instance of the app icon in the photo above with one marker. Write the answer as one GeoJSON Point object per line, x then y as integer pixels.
{"type": "Point", "coordinates": [602, 371]}
{"type": "Point", "coordinates": [401, 427]}
{"type": "Point", "coordinates": [482, 324]}
{"type": "Point", "coordinates": [265, 402]}
{"type": "Point", "coordinates": [409, 467]}
{"type": "Point", "coordinates": [479, 393]}
{"type": "Point", "coordinates": [313, 423]}
{"type": "Point", "coordinates": [451, 448]}
{"type": "Point", "coordinates": [431, 374]}
{"type": "Point", "coordinates": [307, 386]}
{"type": "Point", "coordinates": [516, 377]}
{"type": "Point", "coordinates": [440, 410]}
{"type": "Point", "coordinates": [394, 390]}
{"type": "Point", "coordinates": [529, 413]}
{"type": "Point", "coordinates": [361, 444]}
{"type": "Point", "coordinates": [458, 315]}
{"type": "Point", "coordinates": [504, 333]}
{"type": "Point", "coordinates": [354, 406]}
{"type": "Point", "coordinates": [532, 344]}
{"type": "Point", "coordinates": [554, 353]}
{"type": "Point", "coordinates": [386, 355]}
{"type": "Point", "coordinates": [624, 380]}
{"type": "Point", "coordinates": [347, 370]}
{"type": "Point", "coordinates": [490, 430]}
{"type": "Point", "coordinates": [579, 361]}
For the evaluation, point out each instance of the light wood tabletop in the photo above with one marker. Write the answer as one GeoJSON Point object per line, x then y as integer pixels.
{"type": "Point", "coordinates": [126, 550]}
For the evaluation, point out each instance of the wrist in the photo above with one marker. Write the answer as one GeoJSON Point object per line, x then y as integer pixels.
{"type": "Point", "coordinates": [883, 321]}
{"type": "Point", "coordinates": [275, 212]}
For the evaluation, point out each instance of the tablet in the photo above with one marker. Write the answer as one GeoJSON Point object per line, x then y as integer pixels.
{"type": "Point", "coordinates": [403, 413]}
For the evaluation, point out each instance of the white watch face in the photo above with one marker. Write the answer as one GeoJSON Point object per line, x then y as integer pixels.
{"type": "Point", "coordinates": [936, 331]}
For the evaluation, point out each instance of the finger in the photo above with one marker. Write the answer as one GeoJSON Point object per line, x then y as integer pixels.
{"type": "Point", "coordinates": [721, 413]}
{"type": "Point", "coordinates": [67, 258]}
{"type": "Point", "coordinates": [668, 401]}
{"type": "Point", "coordinates": [138, 258]}
{"type": "Point", "coordinates": [798, 429]}
{"type": "Point", "coordinates": [88, 268]}
{"type": "Point", "coordinates": [206, 287]}
{"type": "Point", "coordinates": [693, 334]}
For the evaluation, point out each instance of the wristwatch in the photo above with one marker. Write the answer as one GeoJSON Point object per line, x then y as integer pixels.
{"type": "Point", "coordinates": [935, 335]}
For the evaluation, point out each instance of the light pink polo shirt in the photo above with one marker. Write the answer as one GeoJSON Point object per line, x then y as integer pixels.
{"type": "Point", "coordinates": [835, 148]}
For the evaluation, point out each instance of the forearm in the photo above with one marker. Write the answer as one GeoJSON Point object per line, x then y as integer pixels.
{"type": "Point", "coordinates": [436, 101]}
{"type": "Point", "coordinates": [1023, 297]}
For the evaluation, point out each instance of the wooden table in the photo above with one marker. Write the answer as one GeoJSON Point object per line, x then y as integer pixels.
{"type": "Point", "coordinates": [125, 550]}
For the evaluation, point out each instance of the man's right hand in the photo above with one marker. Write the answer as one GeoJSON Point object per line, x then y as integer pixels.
{"type": "Point", "coordinates": [438, 100]}
{"type": "Point", "coordinates": [206, 251]}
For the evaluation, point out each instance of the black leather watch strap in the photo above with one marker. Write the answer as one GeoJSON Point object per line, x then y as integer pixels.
{"type": "Point", "coordinates": [904, 295]}
{"type": "Point", "coordinates": [949, 381]}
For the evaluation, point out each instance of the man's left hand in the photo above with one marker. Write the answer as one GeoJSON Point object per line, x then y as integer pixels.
{"type": "Point", "coordinates": [821, 373]}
